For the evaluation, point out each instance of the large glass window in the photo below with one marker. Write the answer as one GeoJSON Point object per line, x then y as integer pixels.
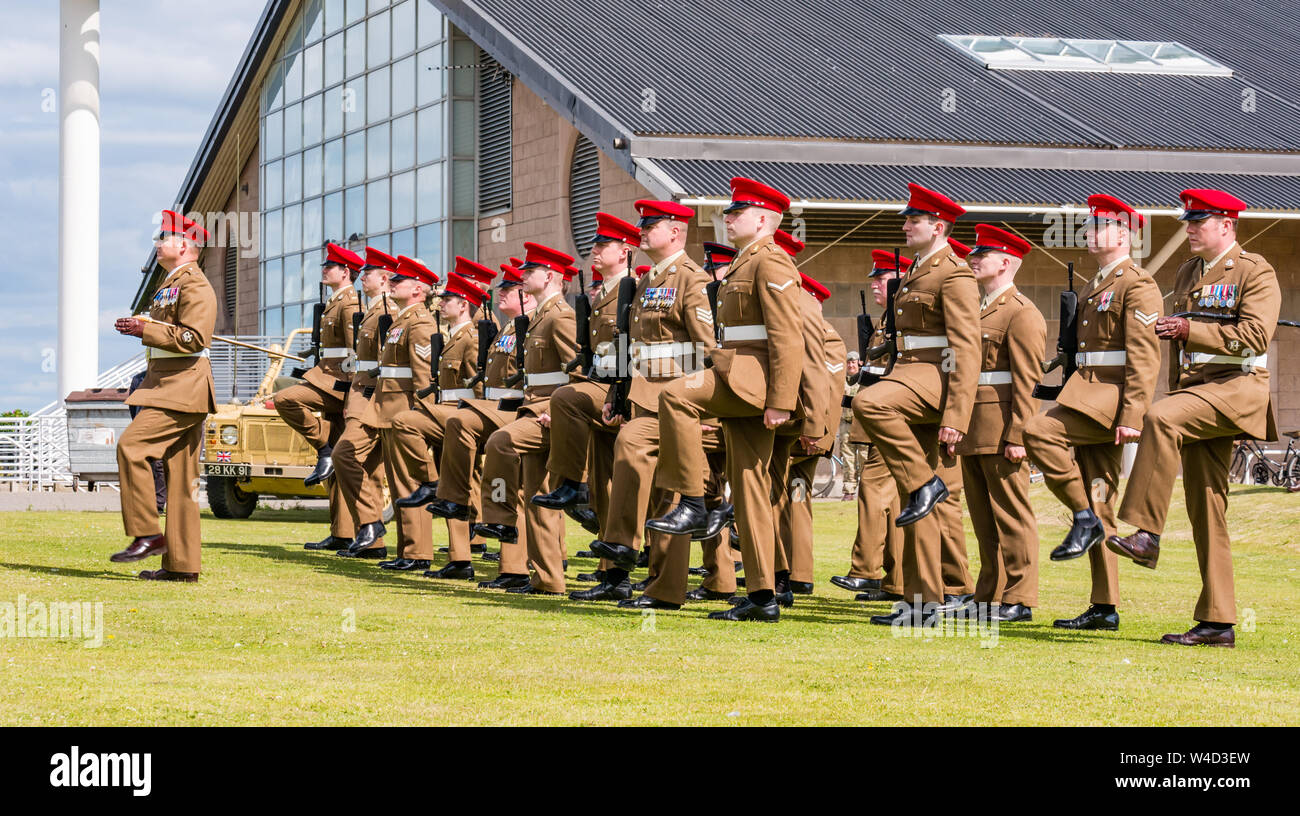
{"type": "Point", "coordinates": [362, 113]}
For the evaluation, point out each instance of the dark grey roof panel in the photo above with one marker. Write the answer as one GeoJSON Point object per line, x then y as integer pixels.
{"type": "Point", "coordinates": [1011, 186]}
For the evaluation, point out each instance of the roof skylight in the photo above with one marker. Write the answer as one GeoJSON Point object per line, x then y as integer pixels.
{"type": "Point", "coordinates": [1066, 54]}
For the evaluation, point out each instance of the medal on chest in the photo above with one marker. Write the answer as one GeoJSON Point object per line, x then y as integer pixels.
{"type": "Point", "coordinates": [394, 334]}
{"type": "Point", "coordinates": [166, 297]}
{"type": "Point", "coordinates": [659, 299]}
{"type": "Point", "coordinates": [506, 343]}
{"type": "Point", "coordinates": [1103, 302]}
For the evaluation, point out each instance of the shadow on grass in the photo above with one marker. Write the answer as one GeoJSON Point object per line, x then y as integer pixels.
{"type": "Point", "coordinates": [45, 569]}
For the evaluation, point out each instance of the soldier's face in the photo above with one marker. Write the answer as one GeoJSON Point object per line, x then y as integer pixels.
{"type": "Point", "coordinates": [1105, 236]}
{"type": "Point", "coordinates": [374, 281]}
{"type": "Point", "coordinates": [986, 265]}
{"type": "Point", "coordinates": [608, 256]}
{"type": "Point", "coordinates": [743, 224]}
{"type": "Point", "coordinates": [1210, 234]}
{"type": "Point", "coordinates": [920, 230]}
{"type": "Point", "coordinates": [452, 308]}
{"type": "Point", "coordinates": [878, 287]}
{"type": "Point", "coordinates": [406, 290]}
{"type": "Point", "coordinates": [169, 248]}
{"type": "Point", "coordinates": [333, 275]}
{"type": "Point", "coordinates": [659, 236]}
{"type": "Point", "coordinates": [537, 278]}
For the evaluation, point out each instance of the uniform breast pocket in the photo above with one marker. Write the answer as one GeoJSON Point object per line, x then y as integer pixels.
{"type": "Point", "coordinates": [991, 345]}
{"type": "Point", "coordinates": [736, 301]}
{"type": "Point", "coordinates": [915, 311]}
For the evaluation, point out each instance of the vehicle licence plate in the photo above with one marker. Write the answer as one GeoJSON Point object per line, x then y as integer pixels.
{"type": "Point", "coordinates": [238, 471]}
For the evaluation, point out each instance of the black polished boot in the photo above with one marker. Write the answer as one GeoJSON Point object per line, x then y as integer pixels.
{"type": "Point", "coordinates": [719, 517]}
{"type": "Point", "coordinates": [1085, 533]}
{"type": "Point", "coordinates": [425, 493]}
{"type": "Point", "coordinates": [568, 494]}
{"type": "Point", "coordinates": [501, 532]}
{"type": "Point", "coordinates": [324, 467]}
{"type": "Point", "coordinates": [449, 510]}
{"type": "Point", "coordinates": [622, 556]}
{"type": "Point", "coordinates": [331, 542]}
{"type": "Point", "coordinates": [366, 536]}
{"type": "Point", "coordinates": [585, 516]}
{"type": "Point", "coordinates": [688, 517]}
{"type": "Point", "coordinates": [922, 501]}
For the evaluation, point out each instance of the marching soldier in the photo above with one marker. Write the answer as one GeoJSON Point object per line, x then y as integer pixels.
{"type": "Point", "coordinates": [314, 408]}
{"type": "Point", "coordinates": [752, 388]}
{"type": "Point", "coordinates": [403, 370]}
{"type": "Point", "coordinates": [994, 471]}
{"type": "Point", "coordinates": [1218, 376]}
{"type": "Point", "coordinates": [358, 455]}
{"type": "Point", "coordinates": [919, 411]}
{"type": "Point", "coordinates": [418, 433]}
{"type": "Point", "coordinates": [468, 429]}
{"type": "Point", "coordinates": [876, 563]}
{"type": "Point", "coordinates": [175, 399]}
{"type": "Point", "coordinates": [1102, 405]}
{"type": "Point", "coordinates": [515, 454]}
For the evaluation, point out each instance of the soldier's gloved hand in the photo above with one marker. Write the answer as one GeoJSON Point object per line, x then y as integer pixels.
{"type": "Point", "coordinates": [1173, 328]}
{"type": "Point", "coordinates": [130, 326]}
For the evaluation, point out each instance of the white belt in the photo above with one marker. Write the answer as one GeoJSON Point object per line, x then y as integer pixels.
{"type": "Point", "coordinates": [664, 350]}
{"type": "Point", "coordinates": [1090, 359]}
{"type": "Point", "coordinates": [157, 353]}
{"type": "Point", "coordinates": [457, 394]}
{"type": "Point", "coordinates": [607, 363]}
{"type": "Point", "coordinates": [395, 372]}
{"type": "Point", "coordinates": [366, 365]}
{"type": "Point", "coordinates": [332, 352]}
{"type": "Point", "coordinates": [503, 393]}
{"type": "Point", "coordinates": [546, 378]}
{"type": "Point", "coordinates": [1201, 358]}
{"type": "Point", "coordinates": [876, 371]}
{"type": "Point", "coordinates": [995, 378]}
{"type": "Point", "coordinates": [744, 333]}
{"type": "Point", "coordinates": [911, 342]}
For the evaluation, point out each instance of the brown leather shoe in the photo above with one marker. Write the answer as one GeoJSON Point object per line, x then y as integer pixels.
{"type": "Point", "coordinates": [1201, 635]}
{"type": "Point", "coordinates": [164, 575]}
{"type": "Point", "coordinates": [141, 548]}
{"type": "Point", "coordinates": [1142, 547]}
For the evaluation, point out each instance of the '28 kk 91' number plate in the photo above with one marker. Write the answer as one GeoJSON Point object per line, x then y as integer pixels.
{"type": "Point", "coordinates": [238, 471]}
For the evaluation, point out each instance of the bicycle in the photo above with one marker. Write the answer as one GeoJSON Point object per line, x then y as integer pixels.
{"type": "Point", "coordinates": [1249, 461]}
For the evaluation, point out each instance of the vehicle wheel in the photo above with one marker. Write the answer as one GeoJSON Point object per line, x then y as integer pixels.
{"type": "Point", "coordinates": [227, 500]}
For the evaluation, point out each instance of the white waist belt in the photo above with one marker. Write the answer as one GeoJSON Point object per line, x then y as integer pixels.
{"type": "Point", "coordinates": [159, 354]}
{"type": "Point", "coordinates": [1201, 358]}
{"type": "Point", "coordinates": [457, 394]}
{"type": "Point", "coordinates": [744, 333]}
{"type": "Point", "coordinates": [995, 378]}
{"type": "Point", "coordinates": [605, 364]}
{"type": "Point", "coordinates": [911, 342]}
{"type": "Point", "coordinates": [877, 371]}
{"type": "Point", "coordinates": [546, 378]}
{"type": "Point", "coordinates": [366, 365]}
{"type": "Point", "coordinates": [503, 393]}
{"type": "Point", "coordinates": [332, 352]}
{"type": "Point", "coordinates": [395, 372]}
{"type": "Point", "coordinates": [1089, 359]}
{"type": "Point", "coordinates": [660, 351]}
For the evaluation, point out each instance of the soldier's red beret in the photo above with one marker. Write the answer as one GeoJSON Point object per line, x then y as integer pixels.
{"type": "Point", "coordinates": [716, 255]}
{"type": "Point", "coordinates": [571, 272]}
{"type": "Point", "coordinates": [746, 192]}
{"type": "Point", "coordinates": [342, 256]}
{"type": "Point", "coordinates": [652, 211]}
{"type": "Point", "coordinates": [788, 242]}
{"type": "Point", "coordinates": [641, 270]}
{"type": "Point", "coordinates": [814, 288]}
{"type": "Point", "coordinates": [610, 228]}
{"type": "Point", "coordinates": [927, 202]}
{"type": "Point", "coordinates": [381, 260]}
{"type": "Point", "coordinates": [460, 286]}
{"type": "Point", "coordinates": [474, 271]}
{"type": "Point", "coordinates": [989, 238]}
{"type": "Point", "coordinates": [178, 224]}
{"type": "Point", "coordinates": [539, 255]}
{"type": "Point", "coordinates": [882, 261]}
{"type": "Point", "coordinates": [1201, 204]}
{"type": "Point", "coordinates": [958, 248]}
{"type": "Point", "coordinates": [1102, 207]}
{"type": "Point", "coordinates": [412, 268]}
{"type": "Point", "coordinates": [510, 275]}
{"type": "Point", "coordinates": [597, 277]}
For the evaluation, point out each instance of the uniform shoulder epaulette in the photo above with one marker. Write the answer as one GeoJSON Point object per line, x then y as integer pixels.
{"type": "Point", "coordinates": [1253, 257]}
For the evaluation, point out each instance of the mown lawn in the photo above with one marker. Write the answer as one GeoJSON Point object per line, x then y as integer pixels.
{"type": "Point", "coordinates": [273, 634]}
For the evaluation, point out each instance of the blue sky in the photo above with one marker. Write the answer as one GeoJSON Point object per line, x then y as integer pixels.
{"type": "Point", "coordinates": [163, 68]}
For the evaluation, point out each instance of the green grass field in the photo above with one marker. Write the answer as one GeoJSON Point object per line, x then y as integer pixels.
{"type": "Point", "coordinates": [273, 634]}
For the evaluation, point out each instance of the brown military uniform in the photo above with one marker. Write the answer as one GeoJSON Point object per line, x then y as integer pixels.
{"type": "Point", "coordinates": [1117, 321]}
{"type": "Point", "coordinates": [404, 369]}
{"type": "Point", "coordinates": [757, 367]}
{"type": "Point", "coordinates": [997, 490]}
{"type": "Point", "coordinates": [932, 384]}
{"type": "Point", "coordinates": [418, 433]}
{"type": "Point", "coordinates": [358, 455]}
{"type": "Point", "coordinates": [1219, 377]}
{"type": "Point", "coordinates": [466, 433]}
{"type": "Point", "coordinates": [514, 462]}
{"type": "Point", "coordinates": [877, 547]}
{"type": "Point", "coordinates": [175, 399]}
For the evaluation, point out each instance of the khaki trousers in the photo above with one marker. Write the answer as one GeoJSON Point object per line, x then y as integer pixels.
{"type": "Point", "coordinates": [464, 437]}
{"type": "Point", "coordinates": [997, 495]}
{"type": "Point", "coordinates": [877, 548]}
{"type": "Point", "coordinates": [418, 437]}
{"type": "Point", "coordinates": [792, 512]}
{"type": "Point", "coordinates": [514, 470]}
{"type": "Point", "coordinates": [358, 458]}
{"type": "Point", "coordinates": [311, 412]}
{"type": "Point", "coordinates": [1185, 427]}
{"type": "Point", "coordinates": [582, 445]}
{"type": "Point", "coordinates": [1091, 480]}
{"type": "Point", "coordinates": [174, 438]}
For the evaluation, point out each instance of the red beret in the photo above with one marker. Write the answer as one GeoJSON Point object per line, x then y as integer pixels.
{"type": "Point", "coordinates": [538, 255]}
{"type": "Point", "coordinates": [749, 193]}
{"type": "Point", "coordinates": [510, 275]}
{"type": "Point", "coordinates": [652, 211]}
{"type": "Point", "coordinates": [1201, 204]}
{"type": "Point", "coordinates": [335, 254]}
{"type": "Point", "coordinates": [380, 259]}
{"type": "Point", "coordinates": [788, 242]}
{"type": "Point", "coordinates": [412, 268]}
{"type": "Point", "coordinates": [474, 271]}
{"type": "Point", "coordinates": [882, 261]}
{"type": "Point", "coordinates": [571, 272]}
{"type": "Point", "coordinates": [959, 249]}
{"type": "Point", "coordinates": [815, 288]}
{"type": "Point", "coordinates": [609, 228]}
{"type": "Point", "coordinates": [716, 255]}
{"type": "Point", "coordinates": [989, 238]}
{"type": "Point", "coordinates": [180, 225]}
{"type": "Point", "coordinates": [461, 286]}
{"type": "Point", "coordinates": [516, 262]}
{"type": "Point", "coordinates": [1110, 208]}
{"type": "Point", "coordinates": [928, 202]}
{"type": "Point", "coordinates": [641, 270]}
{"type": "Point", "coordinates": [597, 277]}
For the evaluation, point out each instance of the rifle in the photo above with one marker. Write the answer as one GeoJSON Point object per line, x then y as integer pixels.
{"type": "Point", "coordinates": [889, 348]}
{"type": "Point", "coordinates": [487, 334]}
{"type": "Point", "coordinates": [1212, 316]}
{"type": "Point", "coordinates": [582, 308]}
{"type": "Point", "coordinates": [317, 312]}
{"type": "Point", "coordinates": [865, 332]}
{"type": "Point", "coordinates": [1067, 341]}
{"type": "Point", "coordinates": [436, 344]}
{"type": "Point", "coordinates": [521, 332]}
{"type": "Point", "coordinates": [621, 386]}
